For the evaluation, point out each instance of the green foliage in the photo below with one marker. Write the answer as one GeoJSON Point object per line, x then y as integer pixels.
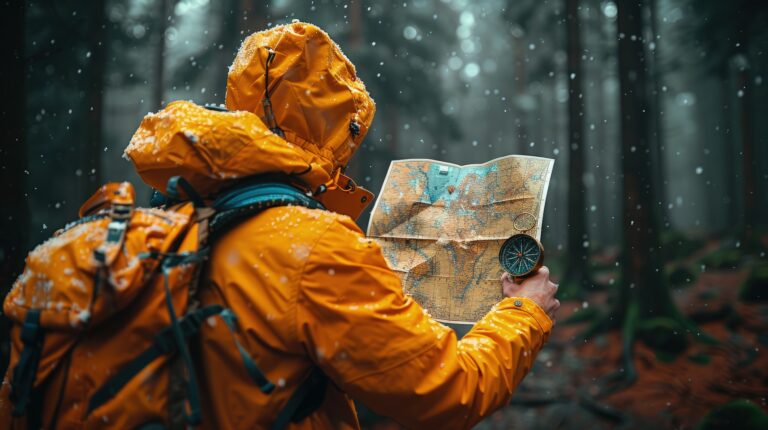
{"type": "Point", "coordinates": [582, 315]}
{"type": "Point", "coordinates": [702, 359]}
{"type": "Point", "coordinates": [570, 289]}
{"type": "Point", "coordinates": [738, 414]}
{"type": "Point", "coordinates": [665, 357]}
{"type": "Point", "coordinates": [681, 276]}
{"type": "Point", "coordinates": [723, 258]}
{"type": "Point", "coordinates": [676, 245]}
{"type": "Point", "coordinates": [755, 287]}
{"type": "Point", "coordinates": [665, 335]}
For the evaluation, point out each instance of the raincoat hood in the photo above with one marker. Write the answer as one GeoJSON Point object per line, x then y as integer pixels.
{"type": "Point", "coordinates": [317, 98]}
{"type": "Point", "coordinates": [320, 107]}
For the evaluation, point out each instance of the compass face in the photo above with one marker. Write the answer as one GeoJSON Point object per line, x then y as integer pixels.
{"type": "Point", "coordinates": [520, 255]}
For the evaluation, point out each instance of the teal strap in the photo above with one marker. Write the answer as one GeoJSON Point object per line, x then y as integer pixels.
{"type": "Point", "coordinates": [172, 259]}
{"type": "Point", "coordinates": [172, 191]}
{"type": "Point", "coordinates": [193, 415]}
{"type": "Point", "coordinates": [164, 343]}
{"type": "Point", "coordinates": [26, 369]}
{"type": "Point", "coordinates": [254, 372]}
{"type": "Point", "coordinates": [306, 399]}
{"type": "Point", "coordinates": [248, 199]}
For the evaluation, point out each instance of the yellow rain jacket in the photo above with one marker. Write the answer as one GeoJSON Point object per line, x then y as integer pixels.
{"type": "Point", "coordinates": [308, 288]}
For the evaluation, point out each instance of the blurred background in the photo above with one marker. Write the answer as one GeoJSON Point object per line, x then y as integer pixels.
{"type": "Point", "coordinates": [654, 110]}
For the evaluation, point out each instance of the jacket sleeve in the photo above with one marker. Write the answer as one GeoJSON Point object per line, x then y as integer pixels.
{"type": "Point", "coordinates": [383, 349]}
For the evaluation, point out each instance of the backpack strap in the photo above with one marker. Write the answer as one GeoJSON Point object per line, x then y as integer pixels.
{"type": "Point", "coordinates": [172, 191]}
{"type": "Point", "coordinates": [24, 373]}
{"type": "Point", "coordinates": [234, 206]}
{"type": "Point", "coordinates": [164, 343]}
{"type": "Point", "coordinates": [231, 207]}
{"type": "Point", "coordinates": [244, 201]}
{"type": "Point", "coordinates": [306, 399]}
{"type": "Point", "coordinates": [257, 376]}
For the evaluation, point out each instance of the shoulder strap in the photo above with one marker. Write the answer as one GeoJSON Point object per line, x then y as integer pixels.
{"type": "Point", "coordinates": [27, 400]}
{"type": "Point", "coordinates": [245, 201]}
{"type": "Point", "coordinates": [306, 399]}
{"type": "Point", "coordinates": [232, 206]}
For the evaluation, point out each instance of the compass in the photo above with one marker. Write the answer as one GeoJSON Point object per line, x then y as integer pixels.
{"type": "Point", "coordinates": [521, 255]}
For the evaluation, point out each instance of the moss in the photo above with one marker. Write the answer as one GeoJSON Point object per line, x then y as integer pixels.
{"type": "Point", "coordinates": [755, 287]}
{"type": "Point", "coordinates": [724, 258]}
{"type": "Point", "coordinates": [702, 359]}
{"type": "Point", "coordinates": [664, 335]}
{"type": "Point", "coordinates": [738, 414]}
{"type": "Point", "coordinates": [665, 357]}
{"type": "Point", "coordinates": [681, 276]}
{"type": "Point", "coordinates": [676, 245]}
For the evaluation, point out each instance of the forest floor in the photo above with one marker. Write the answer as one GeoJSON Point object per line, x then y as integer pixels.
{"type": "Point", "coordinates": [671, 391]}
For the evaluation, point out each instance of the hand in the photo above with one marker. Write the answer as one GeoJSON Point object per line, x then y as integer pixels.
{"type": "Point", "coordinates": [537, 287]}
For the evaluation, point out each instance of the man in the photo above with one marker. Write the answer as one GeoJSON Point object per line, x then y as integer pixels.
{"type": "Point", "coordinates": [309, 290]}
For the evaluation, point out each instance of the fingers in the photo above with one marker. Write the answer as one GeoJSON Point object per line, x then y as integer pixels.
{"type": "Point", "coordinates": [553, 287]}
{"type": "Point", "coordinates": [553, 310]}
{"type": "Point", "coordinates": [543, 271]}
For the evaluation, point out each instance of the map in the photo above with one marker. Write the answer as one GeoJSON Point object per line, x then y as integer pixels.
{"type": "Point", "coordinates": [441, 225]}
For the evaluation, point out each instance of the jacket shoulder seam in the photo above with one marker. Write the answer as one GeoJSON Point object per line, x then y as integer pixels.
{"type": "Point", "coordinates": [297, 291]}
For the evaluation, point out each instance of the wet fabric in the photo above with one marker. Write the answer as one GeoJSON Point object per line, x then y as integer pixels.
{"type": "Point", "coordinates": [309, 290]}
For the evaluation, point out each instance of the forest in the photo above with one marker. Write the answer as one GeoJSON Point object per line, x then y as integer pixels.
{"type": "Point", "coordinates": [656, 222]}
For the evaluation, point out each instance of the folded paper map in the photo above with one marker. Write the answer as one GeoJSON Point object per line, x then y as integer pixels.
{"type": "Point", "coordinates": [441, 226]}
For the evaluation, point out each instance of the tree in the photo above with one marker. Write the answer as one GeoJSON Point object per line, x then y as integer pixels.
{"type": "Point", "coordinates": [97, 43]}
{"type": "Point", "coordinates": [397, 56]}
{"type": "Point", "coordinates": [644, 307]}
{"type": "Point", "coordinates": [14, 212]}
{"type": "Point", "coordinates": [577, 256]}
{"type": "Point", "coordinates": [164, 11]}
{"type": "Point", "coordinates": [657, 143]}
{"type": "Point", "coordinates": [524, 16]}
{"type": "Point", "coordinates": [723, 36]}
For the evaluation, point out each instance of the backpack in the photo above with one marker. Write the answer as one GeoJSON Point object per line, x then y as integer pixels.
{"type": "Point", "coordinates": [104, 310]}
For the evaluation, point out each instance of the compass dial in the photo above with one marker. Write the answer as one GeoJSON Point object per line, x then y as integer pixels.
{"type": "Point", "coordinates": [521, 255]}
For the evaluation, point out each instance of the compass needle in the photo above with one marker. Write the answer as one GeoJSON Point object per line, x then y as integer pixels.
{"type": "Point", "coordinates": [521, 255]}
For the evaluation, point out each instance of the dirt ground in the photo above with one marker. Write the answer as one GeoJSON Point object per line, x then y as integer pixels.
{"type": "Point", "coordinates": [563, 391]}
{"type": "Point", "coordinates": [671, 392]}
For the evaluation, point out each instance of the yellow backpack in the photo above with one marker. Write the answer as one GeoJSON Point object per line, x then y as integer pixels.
{"type": "Point", "coordinates": [104, 309]}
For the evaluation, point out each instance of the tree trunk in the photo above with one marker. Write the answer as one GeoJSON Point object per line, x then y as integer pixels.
{"type": "Point", "coordinates": [91, 168]}
{"type": "Point", "coordinates": [729, 162]}
{"type": "Point", "coordinates": [354, 43]}
{"type": "Point", "coordinates": [643, 283]}
{"type": "Point", "coordinates": [14, 212]}
{"type": "Point", "coordinates": [165, 8]}
{"type": "Point", "coordinates": [355, 24]}
{"type": "Point", "coordinates": [601, 186]}
{"type": "Point", "coordinates": [521, 133]}
{"type": "Point", "coordinates": [252, 17]}
{"type": "Point", "coordinates": [577, 256]}
{"type": "Point", "coordinates": [747, 159]}
{"type": "Point", "coordinates": [657, 146]}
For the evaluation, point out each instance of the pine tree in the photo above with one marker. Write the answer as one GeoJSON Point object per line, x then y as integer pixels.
{"type": "Point", "coordinates": [14, 212]}
{"type": "Point", "coordinates": [644, 308]}
{"type": "Point", "coordinates": [725, 38]}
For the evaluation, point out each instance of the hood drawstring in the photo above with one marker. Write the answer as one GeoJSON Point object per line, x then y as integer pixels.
{"type": "Point", "coordinates": [331, 184]}
{"type": "Point", "coordinates": [269, 114]}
